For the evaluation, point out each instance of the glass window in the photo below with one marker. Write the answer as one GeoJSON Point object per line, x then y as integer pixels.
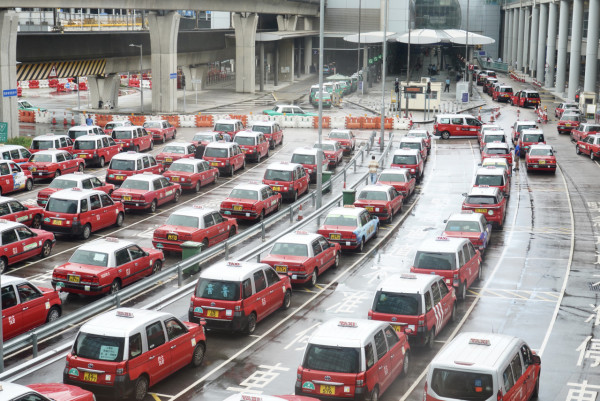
{"type": "Point", "coordinates": [4, 209]}
{"type": "Point", "coordinates": [95, 202]}
{"type": "Point", "coordinates": [462, 385]}
{"type": "Point", "coordinates": [208, 221]}
{"type": "Point", "coordinates": [259, 281]}
{"type": "Point", "coordinates": [14, 154]}
{"type": "Point", "coordinates": [89, 258]}
{"type": "Point", "coordinates": [436, 293]}
{"type": "Point", "coordinates": [9, 298]}
{"type": "Point", "coordinates": [16, 206]}
{"type": "Point", "coordinates": [60, 158]}
{"type": "Point", "coordinates": [174, 328]}
{"type": "Point", "coordinates": [136, 252]}
{"type": "Point", "coordinates": [4, 170]}
{"type": "Point", "coordinates": [391, 336]}
{"type": "Point", "coordinates": [525, 352]}
{"type": "Point", "coordinates": [272, 276]}
{"type": "Point", "coordinates": [443, 288]}
{"type": "Point", "coordinates": [157, 184]}
{"type": "Point", "coordinates": [24, 233]}
{"type": "Point", "coordinates": [122, 257]}
{"type": "Point", "coordinates": [461, 258]}
{"type": "Point", "coordinates": [152, 161]}
{"type": "Point", "coordinates": [247, 288]}
{"type": "Point", "coordinates": [155, 335]}
{"type": "Point", "coordinates": [9, 236]}
{"type": "Point", "coordinates": [135, 345]}
{"type": "Point", "coordinates": [219, 290]}
{"type": "Point", "coordinates": [27, 292]}
{"type": "Point", "coordinates": [435, 260]}
{"type": "Point", "coordinates": [332, 359]}
{"type": "Point", "coordinates": [146, 162]}
{"type": "Point", "coordinates": [98, 347]}
{"type": "Point", "coordinates": [471, 250]}
{"type": "Point", "coordinates": [509, 380]}
{"type": "Point", "coordinates": [517, 368]}
{"type": "Point", "coordinates": [369, 357]}
{"type": "Point", "coordinates": [106, 200]}
{"type": "Point", "coordinates": [317, 249]}
{"type": "Point", "coordinates": [428, 304]}
{"type": "Point", "coordinates": [87, 184]}
{"type": "Point", "coordinates": [218, 218]}
{"type": "Point", "coordinates": [398, 304]}
{"type": "Point", "coordinates": [380, 344]}
{"type": "Point", "coordinates": [105, 142]}
{"type": "Point", "coordinates": [84, 205]}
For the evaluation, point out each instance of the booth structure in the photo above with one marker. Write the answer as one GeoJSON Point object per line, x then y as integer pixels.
{"type": "Point", "coordinates": [417, 95]}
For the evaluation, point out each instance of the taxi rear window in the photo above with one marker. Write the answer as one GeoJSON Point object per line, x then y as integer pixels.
{"type": "Point", "coordinates": [244, 140]}
{"type": "Point", "coordinates": [339, 135]}
{"type": "Point", "coordinates": [182, 167]}
{"type": "Point", "coordinates": [460, 385]}
{"type": "Point", "coordinates": [278, 175]}
{"type": "Point", "coordinates": [127, 165]}
{"type": "Point", "coordinates": [265, 129]}
{"type": "Point", "coordinates": [481, 200]}
{"type": "Point", "coordinates": [303, 159]}
{"type": "Point", "coordinates": [398, 304]}
{"type": "Point", "coordinates": [405, 159]}
{"type": "Point", "coordinates": [85, 145]}
{"type": "Point", "coordinates": [41, 158]}
{"type": "Point", "coordinates": [520, 128]}
{"type": "Point", "coordinates": [76, 134]}
{"type": "Point", "coordinates": [153, 124]}
{"type": "Point", "coordinates": [593, 128]}
{"type": "Point", "coordinates": [203, 137]}
{"type": "Point", "coordinates": [122, 134]}
{"type": "Point", "coordinates": [183, 220]}
{"type": "Point", "coordinates": [332, 359]}
{"type": "Point", "coordinates": [492, 180]}
{"type": "Point", "coordinates": [100, 348]}
{"type": "Point", "coordinates": [410, 145]}
{"type": "Point", "coordinates": [325, 146]}
{"type": "Point", "coordinates": [435, 260]}
{"type": "Point", "coordinates": [498, 151]}
{"type": "Point", "coordinates": [86, 257]}
{"type": "Point", "coordinates": [216, 152]}
{"type": "Point", "coordinates": [61, 183]}
{"type": "Point", "coordinates": [494, 137]}
{"type": "Point", "coordinates": [244, 194]}
{"type": "Point", "coordinates": [540, 152]}
{"type": "Point", "coordinates": [392, 177]}
{"type": "Point", "coordinates": [285, 248]}
{"type": "Point", "coordinates": [135, 184]}
{"type": "Point", "coordinates": [506, 90]}
{"type": "Point", "coordinates": [42, 144]}
{"type": "Point", "coordinates": [462, 226]}
{"type": "Point", "coordinates": [373, 195]}
{"type": "Point", "coordinates": [174, 149]}
{"type": "Point", "coordinates": [224, 127]}
{"type": "Point", "coordinates": [62, 205]}
{"type": "Point", "coordinates": [533, 95]}
{"type": "Point", "coordinates": [533, 138]}
{"type": "Point", "coordinates": [218, 290]}
{"type": "Point", "coordinates": [339, 220]}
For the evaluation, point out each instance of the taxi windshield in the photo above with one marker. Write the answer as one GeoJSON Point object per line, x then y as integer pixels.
{"type": "Point", "coordinates": [174, 149]}
{"type": "Point", "coordinates": [244, 194]}
{"type": "Point", "coordinates": [391, 177]}
{"type": "Point", "coordinates": [99, 348]}
{"type": "Point", "coordinates": [417, 134]}
{"type": "Point", "coordinates": [183, 220]}
{"type": "Point", "coordinates": [540, 152]}
{"type": "Point", "coordinates": [93, 258]}
{"type": "Point", "coordinates": [135, 184]}
{"type": "Point", "coordinates": [203, 138]}
{"type": "Point", "coordinates": [332, 359]}
{"type": "Point", "coordinates": [74, 134]}
{"type": "Point", "coordinates": [405, 159]}
{"type": "Point", "coordinates": [592, 128]}
{"type": "Point", "coordinates": [278, 175]}
{"type": "Point", "coordinates": [216, 152]}
{"type": "Point", "coordinates": [122, 134]}
{"type": "Point", "coordinates": [435, 260]}
{"type": "Point", "coordinates": [218, 290]}
{"type": "Point", "coordinates": [492, 180]}
{"type": "Point", "coordinates": [85, 145]}
{"type": "Point", "coordinates": [373, 195]}
{"type": "Point", "coordinates": [494, 137]}
{"type": "Point", "coordinates": [62, 205]}
{"type": "Point", "coordinates": [480, 200]}
{"type": "Point", "coordinates": [153, 124]}
{"type": "Point", "coordinates": [496, 151]}
{"type": "Point", "coordinates": [339, 135]}
{"type": "Point", "coordinates": [533, 95]}
{"type": "Point", "coordinates": [462, 385]}
{"type": "Point", "coordinates": [398, 304]}
{"type": "Point", "coordinates": [265, 129]}
{"type": "Point", "coordinates": [245, 140]}
{"type": "Point", "coordinates": [111, 125]}
{"type": "Point", "coordinates": [116, 164]}
{"type": "Point", "coordinates": [42, 144]}
{"type": "Point", "coordinates": [303, 159]}
{"type": "Point", "coordinates": [463, 226]}
{"type": "Point", "coordinates": [522, 127]}
{"type": "Point", "coordinates": [289, 249]}
{"type": "Point", "coordinates": [224, 127]}
{"type": "Point", "coordinates": [410, 145]}
{"type": "Point", "coordinates": [340, 220]}
{"type": "Point", "coordinates": [61, 183]}
{"type": "Point", "coordinates": [326, 146]}
{"type": "Point", "coordinates": [37, 158]}
{"type": "Point", "coordinates": [182, 167]}
{"type": "Point", "coordinates": [533, 138]}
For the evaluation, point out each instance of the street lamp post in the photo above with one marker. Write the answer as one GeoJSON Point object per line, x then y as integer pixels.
{"type": "Point", "coordinates": [141, 78]}
{"type": "Point", "coordinates": [319, 198]}
{"type": "Point", "coordinates": [384, 45]}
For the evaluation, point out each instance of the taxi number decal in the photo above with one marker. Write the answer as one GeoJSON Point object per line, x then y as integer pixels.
{"type": "Point", "coordinates": [168, 193]}
{"type": "Point", "coordinates": [31, 246]}
{"type": "Point", "coordinates": [97, 217]}
{"type": "Point", "coordinates": [47, 304]}
{"type": "Point", "coordinates": [128, 271]}
{"type": "Point", "coordinates": [264, 301]}
{"type": "Point", "coordinates": [14, 251]}
{"type": "Point", "coordinates": [161, 360]}
{"type": "Point", "coordinates": [11, 320]}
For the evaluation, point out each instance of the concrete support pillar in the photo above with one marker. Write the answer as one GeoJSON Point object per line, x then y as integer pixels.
{"type": "Point", "coordinates": [576, 39]}
{"type": "Point", "coordinates": [9, 21]}
{"type": "Point", "coordinates": [104, 89]}
{"type": "Point", "coordinates": [287, 22]}
{"type": "Point", "coordinates": [276, 65]}
{"type": "Point", "coordinates": [591, 51]}
{"type": "Point", "coordinates": [551, 45]}
{"type": "Point", "coordinates": [286, 60]}
{"type": "Point", "coordinates": [515, 38]}
{"type": "Point", "coordinates": [526, 36]}
{"type": "Point", "coordinates": [505, 37]}
{"type": "Point", "coordinates": [535, 24]}
{"type": "Point", "coordinates": [520, 33]}
{"type": "Point", "coordinates": [163, 42]}
{"type": "Point", "coordinates": [307, 54]}
{"type": "Point", "coordinates": [245, 49]}
{"type": "Point", "coordinates": [563, 37]}
{"type": "Point", "coordinates": [261, 65]}
{"type": "Point", "coordinates": [199, 72]}
{"type": "Point", "coordinates": [542, 32]}
{"type": "Point", "coordinates": [509, 42]}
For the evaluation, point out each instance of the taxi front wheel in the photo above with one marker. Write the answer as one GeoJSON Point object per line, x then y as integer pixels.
{"type": "Point", "coordinates": [251, 326]}
{"type": "Point", "coordinates": [445, 135]}
{"type": "Point", "coordinates": [46, 249]}
{"type": "Point", "coordinates": [141, 388]}
{"type": "Point", "coordinates": [3, 264]}
{"type": "Point", "coordinates": [120, 219]}
{"type": "Point", "coordinates": [375, 394]}
{"type": "Point", "coordinates": [29, 185]}
{"type": "Point", "coordinates": [87, 231]}
{"type": "Point", "coordinates": [198, 355]}
{"type": "Point", "coordinates": [287, 300]}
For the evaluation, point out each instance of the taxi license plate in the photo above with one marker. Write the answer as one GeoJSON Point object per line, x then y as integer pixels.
{"type": "Point", "coordinates": [238, 207]}
{"type": "Point", "coordinates": [244, 150]}
{"type": "Point", "coordinates": [212, 313]}
{"type": "Point", "coordinates": [57, 222]}
{"type": "Point", "coordinates": [82, 156]}
{"type": "Point", "coordinates": [176, 179]}
{"type": "Point", "coordinates": [214, 163]}
{"type": "Point", "coordinates": [120, 177]}
{"type": "Point", "coordinates": [567, 125]}
{"type": "Point", "coordinates": [399, 329]}
{"type": "Point", "coordinates": [74, 279]}
{"type": "Point", "coordinates": [276, 188]}
{"type": "Point", "coordinates": [172, 237]}
{"type": "Point", "coordinates": [280, 269]}
{"type": "Point", "coordinates": [169, 159]}
{"type": "Point", "coordinates": [126, 197]}
{"type": "Point", "coordinates": [327, 389]}
{"type": "Point", "coordinates": [335, 236]}
{"type": "Point", "coordinates": [90, 377]}
{"type": "Point", "coordinates": [33, 169]}
{"type": "Point", "coordinates": [542, 162]}
{"type": "Point", "coordinates": [480, 210]}
{"type": "Point", "coordinates": [369, 208]}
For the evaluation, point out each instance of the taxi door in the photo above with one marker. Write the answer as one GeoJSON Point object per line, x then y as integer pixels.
{"type": "Point", "coordinates": [238, 156]}
{"type": "Point", "coordinates": [531, 370]}
{"type": "Point", "coordinates": [19, 179]}
{"type": "Point", "coordinates": [276, 290]}
{"type": "Point", "coordinates": [211, 231]}
{"type": "Point", "coordinates": [438, 308]}
{"type": "Point", "coordinates": [33, 306]}
{"type": "Point", "coordinates": [11, 247]}
{"type": "Point", "coordinates": [471, 259]}
{"type": "Point", "coordinates": [168, 188]}
{"type": "Point", "coordinates": [396, 199]}
{"type": "Point", "coordinates": [140, 265]}
{"type": "Point", "coordinates": [180, 343]}
{"type": "Point", "coordinates": [158, 357]}
{"type": "Point", "coordinates": [221, 225]}
{"type": "Point", "coordinates": [143, 138]}
{"type": "Point", "coordinates": [21, 213]}
{"type": "Point", "coordinates": [514, 379]}
{"type": "Point", "coordinates": [12, 320]}
{"type": "Point", "coordinates": [161, 193]}
{"type": "Point", "coordinates": [29, 242]}
{"type": "Point", "coordinates": [302, 180]}
{"type": "Point", "coordinates": [108, 212]}
{"type": "Point", "coordinates": [261, 295]}
{"type": "Point", "coordinates": [447, 302]}
{"type": "Point", "coordinates": [396, 347]}
{"type": "Point", "coordinates": [382, 366]}
{"type": "Point", "coordinates": [269, 202]}
{"type": "Point", "coordinates": [328, 253]}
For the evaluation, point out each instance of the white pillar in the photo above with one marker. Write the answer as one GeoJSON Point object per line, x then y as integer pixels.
{"type": "Point", "coordinates": [105, 89]}
{"type": "Point", "coordinates": [509, 42]}
{"type": "Point", "coordinates": [563, 37]}
{"type": "Point", "coordinates": [535, 23]}
{"type": "Point", "coordinates": [520, 33]}
{"type": "Point", "coordinates": [307, 54]}
{"type": "Point", "coordinates": [515, 37]}
{"type": "Point", "coordinates": [591, 51]}
{"type": "Point", "coordinates": [9, 21]}
{"type": "Point", "coordinates": [505, 37]}
{"type": "Point", "coordinates": [245, 52]}
{"type": "Point", "coordinates": [551, 46]}
{"type": "Point", "coordinates": [526, 36]}
{"type": "Point", "coordinates": [576, 39]}
{"type": "Point", "coordinates": [542, 32]}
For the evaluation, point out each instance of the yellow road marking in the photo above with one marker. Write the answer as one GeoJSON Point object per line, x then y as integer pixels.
{"type": "Point", "coordinates": [516, 295]}
{"type": "Point", "coordinates": [155, 396]}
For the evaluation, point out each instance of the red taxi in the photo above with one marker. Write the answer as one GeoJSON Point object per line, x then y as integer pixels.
{"type": "Point", "coordinates": [455, 259]}
{"type": "Point", "coordinates": [399, 178]}
{"type": "Point", "coordinates": [355, 359]}
{"type": "Point", "coordinates": [493, 177]}
{"type": "Point", "coordinates": [307, 157]}
{"type": "Point", "coordinates": [95, 149]}
{"type": "Point", "coordinates": [234, 296]}
{"type": "Point", "coordinates": [133, 138]}
{"type": "Point", "coordinates": [45, 392]}
{"type": "Point", "coordinates": [565, 106]}
{"type": "Point", "coordinates": [254, 144]}
{"type": "Point", "coordinates": [333, 152]}
{"type": "Point", "coordinates": [226, 156]}
{"type": "Point", "coordinates": [421, 133]}
{"type": "Point", "coordinates": [380, 200]}
{"type": "Point", "coordinates": [25, 306]}
{"type": "Point", "coordinates": [194, 223]}
{"type": "Point", "coordinates": [16, 153]}
{"type": "Point", "coordinates": [345, 137]}
{"type": "Point", "coordinates": [541, 158]}
{"type": "Point", "coordinates": [228, 126]}
{"type": "Point", "coordinates": [481, 77]}
{"type": "Point", "coordinates": [530, 137]}
{"type": "Point", "coordinates": [524, 98]}
{"type": "Point", "coordinates": [584, 129]}
{"type": "Point", "coordinates": [500, 162]}
{"type": "Point", "coordinates": [161, 130]}
{"type": "Point", "coordinates": [589, 146]}
{"type": "Point", "coordinates": [111, 125]}
{"type": "Point", "coordinates": [127, 164]}
{"type": "Point", "coordinates": [20, 242]}
{"type": "Point", "coordinates": [414, 143]}
{"type": "Point", "coordinates": [303, 256]}
{"type": "Point", "coordinates": [409, 159]}
{"type": "Point", "coordinates": [349, 226]}
{"type": "Point", "coordinates": [176, 151]}
{"type": "Point", "coordinates": [146, 191]}
{"type": "Point", "coordinates": [13, 210]}
{"type": "Point", "coordinates": [271, 129]}
{"type": "Point", "coordinates": [448, 125]}
{"type": "Point", "coordinates": [192, 173]}
{"type": "Point", "coordinates": [502, 93]}
{"type": "Point", "coordinates": [487, 128]}
{"type": "Point", "coordinates": [490, 202]}
{"type": "Point", "coordinates": [13, 178]}
{"type": "Point", "coordinates": [288, 179]}
{"type": "Point", "coordinates": [131, 350]}
{"type": "Point", "coordinates": [418, 305]}
{"type": "Point", "coordinates": [251, 201]}
{"type": "Point", "coordinates": [492, 136]}
{"type": "Point", "coordinates": [469, 225]}
{"type": "Point", "coordinates": [204, 138]}
{"type": "Point", "coordinates": [569, 121]}
{"type": "Point", "coordinates": [51, 141]}
{"type": "Point", "coordinates": [75, 180]}
{"type": "Point", "coordinates": [520, 126]}
{"type": "Point", "coordinates": [52, 163]}
{"type": "Point", "coordinates": [105, 266]}
{"type": "Point", "coordinates": [497, 149]}
{"type": "Point", "coordinates": [81, 211]}
{"type": "Point", "coordinates": [488, 86]}
{"type": "Point", "coordinates": [77, 131]}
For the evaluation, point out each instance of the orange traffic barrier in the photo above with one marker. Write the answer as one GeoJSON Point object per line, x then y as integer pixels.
{"type": "Point", "coordinates": [352, 123]}
{"type": "Point", "coordinates": [102, 119]}
{"type": "Point", "coordinates": [204, 120]}
{"type": "Point", "coordinates": [244, 118]}
{"type": "Point", "coordinates": [371, 123]}
{"type": "Point", "coordinates": [22, 116]}
{"type": "Point", "coordinates": [34, 84]}
{"type": "Point", "coordinates": [173, 120]}
{"type": "Point", "coordinates": [326, 122]}
{"type": "Point", "coordinates": [388, 123]}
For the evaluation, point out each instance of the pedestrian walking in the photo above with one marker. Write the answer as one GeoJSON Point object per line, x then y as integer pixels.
{"type": "Point", "coordinates": [373, 167]}
{"type": "Point", "coordinates": [517, 156]}
{"type": "Point", "coordinates": [447, 87]}
{"type": "Point", "coordinates": [88, 120]}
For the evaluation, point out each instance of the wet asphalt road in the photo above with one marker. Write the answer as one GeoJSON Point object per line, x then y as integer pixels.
{"type": "Point", "coordinates": [538, 277]}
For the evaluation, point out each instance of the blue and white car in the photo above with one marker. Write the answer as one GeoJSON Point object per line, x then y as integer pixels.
{"type": "Point", "coordinates": [470, 225]}
{"type": "Point", "coordinates": [350, 226]}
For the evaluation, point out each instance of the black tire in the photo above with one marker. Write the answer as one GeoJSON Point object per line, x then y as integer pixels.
{"type": "Point", "coordinates": [232, 231]}
{"type": "Point", "coordinates": [197, 187]}
{"type": "Point", "coordinates": [536, 389]}
{"type": "Point", "coordinates": [251, 326]}
{"type": "Point", "coordinates": [361, 247]}
{"type": "Point", "coordinates": [120, 220]}
{"type": "Point", "coordinates": [479, 273]}
{"type": "Point", "coordinates": [577, 150]}
{"type": "Point", "coordinates": [271, 144]}
{"type": "Point", "coordinates": [258, 157]}
{"type": "Point", "coordinates": [174, 134]}
{"type": "Point", "coordinates": [453, 313]}
{"type": "Point", "coordinates": [592, 155]}
{"type": "Point", "coordinates": [376, 232]}
{"type": "Point", "coordinates": [231, 171]}
{"type": "Point", "coordinates": [152, 145]}
{"type": "Point", "coordinates": [295, 197]}
{"type": "Point", "coordinates": [287, 300]}
{"type": "Point", "coordinates": [102, 162]}
{"type": "Point", "coordinates": [115, 287]}
{"type": "Point", "coordinates": [406, 364]}
{"type": "Point", "coordinates": [374, 394]}
{"type": "Point", "coordinates": [87, 231]}
{"type": "Point", "coordinates": [176, 197]}
{"type": "Point", "coordinates": [53, 314]}
{"type": "Point", "coordinates": [391, 219]}
{"type": "Point", "coordinates": [261, 216]}
{"type": "Point", "coordinates": [57, 173]}
{"type": "Point", "coordinates": [164, 139]}
{"type": "Point", "coordinates": [244, 164]}
{"type": "Point", "coordinates": [462, 291]}
{"type": "Point", "coordinates": [445, 135]}
{"type": "Point", "coordinates": [153, 206]}
{"type": "Point", "coordinates": [37, 221]}
{"type": "Point", "coordinates": [430, 339]}
{"type": "Point", "coordinates": [29, 185]}
{"type": "Point", "coordinates": [3, 264]}
{"type": "Point", "coordinates": [313, 278]}
{"type": "Point", "coordinates": [268, 153]}
{"type": "Point", "coordinates": [336, 264]}
{"type": "Point", "coordinates": [157, 266]}
{"type": "Point", "coordinates": [81, 167]}
{"type": "Point", "coordinates": [46, 249]}
{"type": "Point", "coordinates": [198, 355]}
{"type": "Point", "coordinates": [216, 180]}
{"type": "Point", "coordinates": [141, 388]}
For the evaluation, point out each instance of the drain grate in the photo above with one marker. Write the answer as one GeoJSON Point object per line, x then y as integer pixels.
{"type": "Point", "coordinates": [594, 286]}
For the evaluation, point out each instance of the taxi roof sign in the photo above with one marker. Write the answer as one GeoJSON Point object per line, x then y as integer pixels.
{"type": "Point", "coordinates": [301, 232]}
{"type": "Point", "coordinates": [236, 264]}
{"type": "Point", "coordinates": [75, 189]}
{"type": "Point", "coordinates": [112, 239]}
{"type": "Point", "coordinates": [350, 206]}
{"type": "Point", "coordinates": [441, 239]}
{"type": "Point", "coordinates": [343, 323]}
{"type": "Point", "coordinates": [408, 275]}
{"type": "Point", "coordinates": [121, 313]}
{"type": "Point", "coordinates": [480, 341]}
{"type": "Point", "coordinates": [198, 207]}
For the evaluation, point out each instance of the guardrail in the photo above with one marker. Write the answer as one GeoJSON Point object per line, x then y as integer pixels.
{"type": "Point", "coordinates": [32, 338]}
{"type": "Point", "coordinates": [494, 65]}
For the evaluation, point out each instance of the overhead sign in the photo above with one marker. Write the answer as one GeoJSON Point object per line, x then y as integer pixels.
{"type": "Point", "coordinates": [53, 73]}
{"type": "Point", "coordinates": [3, 132]}
{"type": "Point", "coordinates": [413, 89]}
{"type": "Point", "coordinates": [173, 75]}
{"type": "Point", "coordinates": [9, 92]}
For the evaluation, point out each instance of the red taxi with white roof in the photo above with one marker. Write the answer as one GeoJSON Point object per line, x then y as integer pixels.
{"type": "Point", "coordinates": [565, 106]}
{"type": "Point", "coordinates": [303, 256]}
{"type": "Point", "coordinates": [111, 125]}
{"type": "Point", "coordinates": [146, 191]}
{"type": "Point", "coordinates": [419, 305]}
{"type": "Point", "coordinates": [121, 353]}
{"type": "Point", "coordinates": [51, 141]}
{"type": "Point", "coordinates": [589, 146]}
{"type": "Point", "coordinates": [414, 143]}
{"type": "Point", "coordinates": [25, 306]}
{"type": "Point", "coordinates": [228, 126]}
{"type": "Point", "coordinates": [584, 129]}
{"type": "Point", "coordinates": [44, 392]}
{"type": "Point", "coordinates": [194, 223]}
{"type": "Point", "coordinates": [226, 156]}
{"type": "Point", "coordinates": [130, 163]}
{"type": "Point", "coordinates": [253, 144]}
{"type": "Point", "coordinates": [16, 153]}
{"type": "Point", "coordinates": [519, 126]}
{"type": "Point", "coordinates": [530, 137]}
{"type": "Point", "coordinates": [411, 160]}
{"type": "Point", "coordinates": [502, 93]}
{"type": "Point", "coordinates": [486, 128]}
{"type": "Point", "coordinates": [95, 149]}
{"type": "Point", "coordinates": [13, 210]}
{"type": "Point", "coordinates": [235, 295]}
{"type": "Point", "coordinates": [541, 158]}
{"type": "Point", "coordinates": [469, 225]}
{"type": "Point", "coordinates": [488, 201]}
{"type": "Point", "coordinates": [75, 180]}
{"type": "Point", "coordinates": [524, 98]}
{"type": "Point", "coordinates": [106, 265]}
{"type": "Point", "coordinates": [271, 129]}
{"type": "Point", "coordinates": [13, 178]}
{"type": "Point", "coordinates": [161, 130]}
{"type": "Point", "coordinates": [176, 151]}
{"type": "Point", "coordinates": [345, 137]}
{"type": "Point", "coordinates": [288, 179]}
{"type": "Point", "coordinates": [352, 359]}
{"type": "Point", "coordinates": [455, 259]}
{"type": "Point", "coordinates": [251, 201]}
{"type": "Point", "coordinates": [497, 149]}
{"type": "Point", "coordinates": [399, 178]}
{"type": "Point", "coordinates": [349, 226]}
{"type": "Point", "coordinates": [449, 125]}
{"type": "Point", "coordinates": [307, 157]}
{"type": "Point", "coordinates": [569, 121]}
{"type": "Point", "coordinates": [19, 242]}
{"type": "Point", "coordinates": [192, 173]}
{"type": "Point", "coordinates": [492, 136]}
{"type": "Point", "coordinates": [204, 138]}
{"type": "Point", "coordinates": [383, 201]}
{"type": "Point", "coordinates": [77, 131]}
{"type": "Point", "coordinates": [421, 133]}
{"type": "Point", "coordinates": [80, 212]}
{"type": "Point", "coordinates": [499, 162]}
{"type": "Point", "coordinates": [133, 138]}
{"type": "Point", "coordinates": [52, 163]}
{"type": "Point", "coordinates": [333, 152]}
{"type": "Point", "coordinates": [493, 177]}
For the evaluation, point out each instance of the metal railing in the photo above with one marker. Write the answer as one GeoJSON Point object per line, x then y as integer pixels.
{"type": "Point", "coordinates": [494, 65]}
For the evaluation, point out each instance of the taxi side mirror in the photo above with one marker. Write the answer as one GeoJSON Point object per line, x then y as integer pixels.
{"type": "Point", "coordinates": [536, 359]}
{"type": "Point", "coordinates": [464, 194]}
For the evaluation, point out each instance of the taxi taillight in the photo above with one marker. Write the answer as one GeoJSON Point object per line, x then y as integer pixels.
{"type": "Point", "coordinates": [499, 396]}
{"type": "Point", "coordinates": [421, 324]}
{"type": "Point", "coordinates": [360, 380]}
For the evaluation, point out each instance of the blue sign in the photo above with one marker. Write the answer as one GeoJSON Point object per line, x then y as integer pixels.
{"type": "Point", "coordinates": [173, 75]}
{"type": "Point", "coordinates": [9, 92]}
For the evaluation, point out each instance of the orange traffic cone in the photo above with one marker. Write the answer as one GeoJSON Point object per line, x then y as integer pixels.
{"type": "Point", "coordinates": [72, 121]}
{"type": "Point", "coordinates": [53, 118]}
{"type": "Point", "coordinates": [65, 119]}
{"type": "Point", "coordinates": [492, 118]}
{"type": "Point", "coordinates": [300, 217]}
